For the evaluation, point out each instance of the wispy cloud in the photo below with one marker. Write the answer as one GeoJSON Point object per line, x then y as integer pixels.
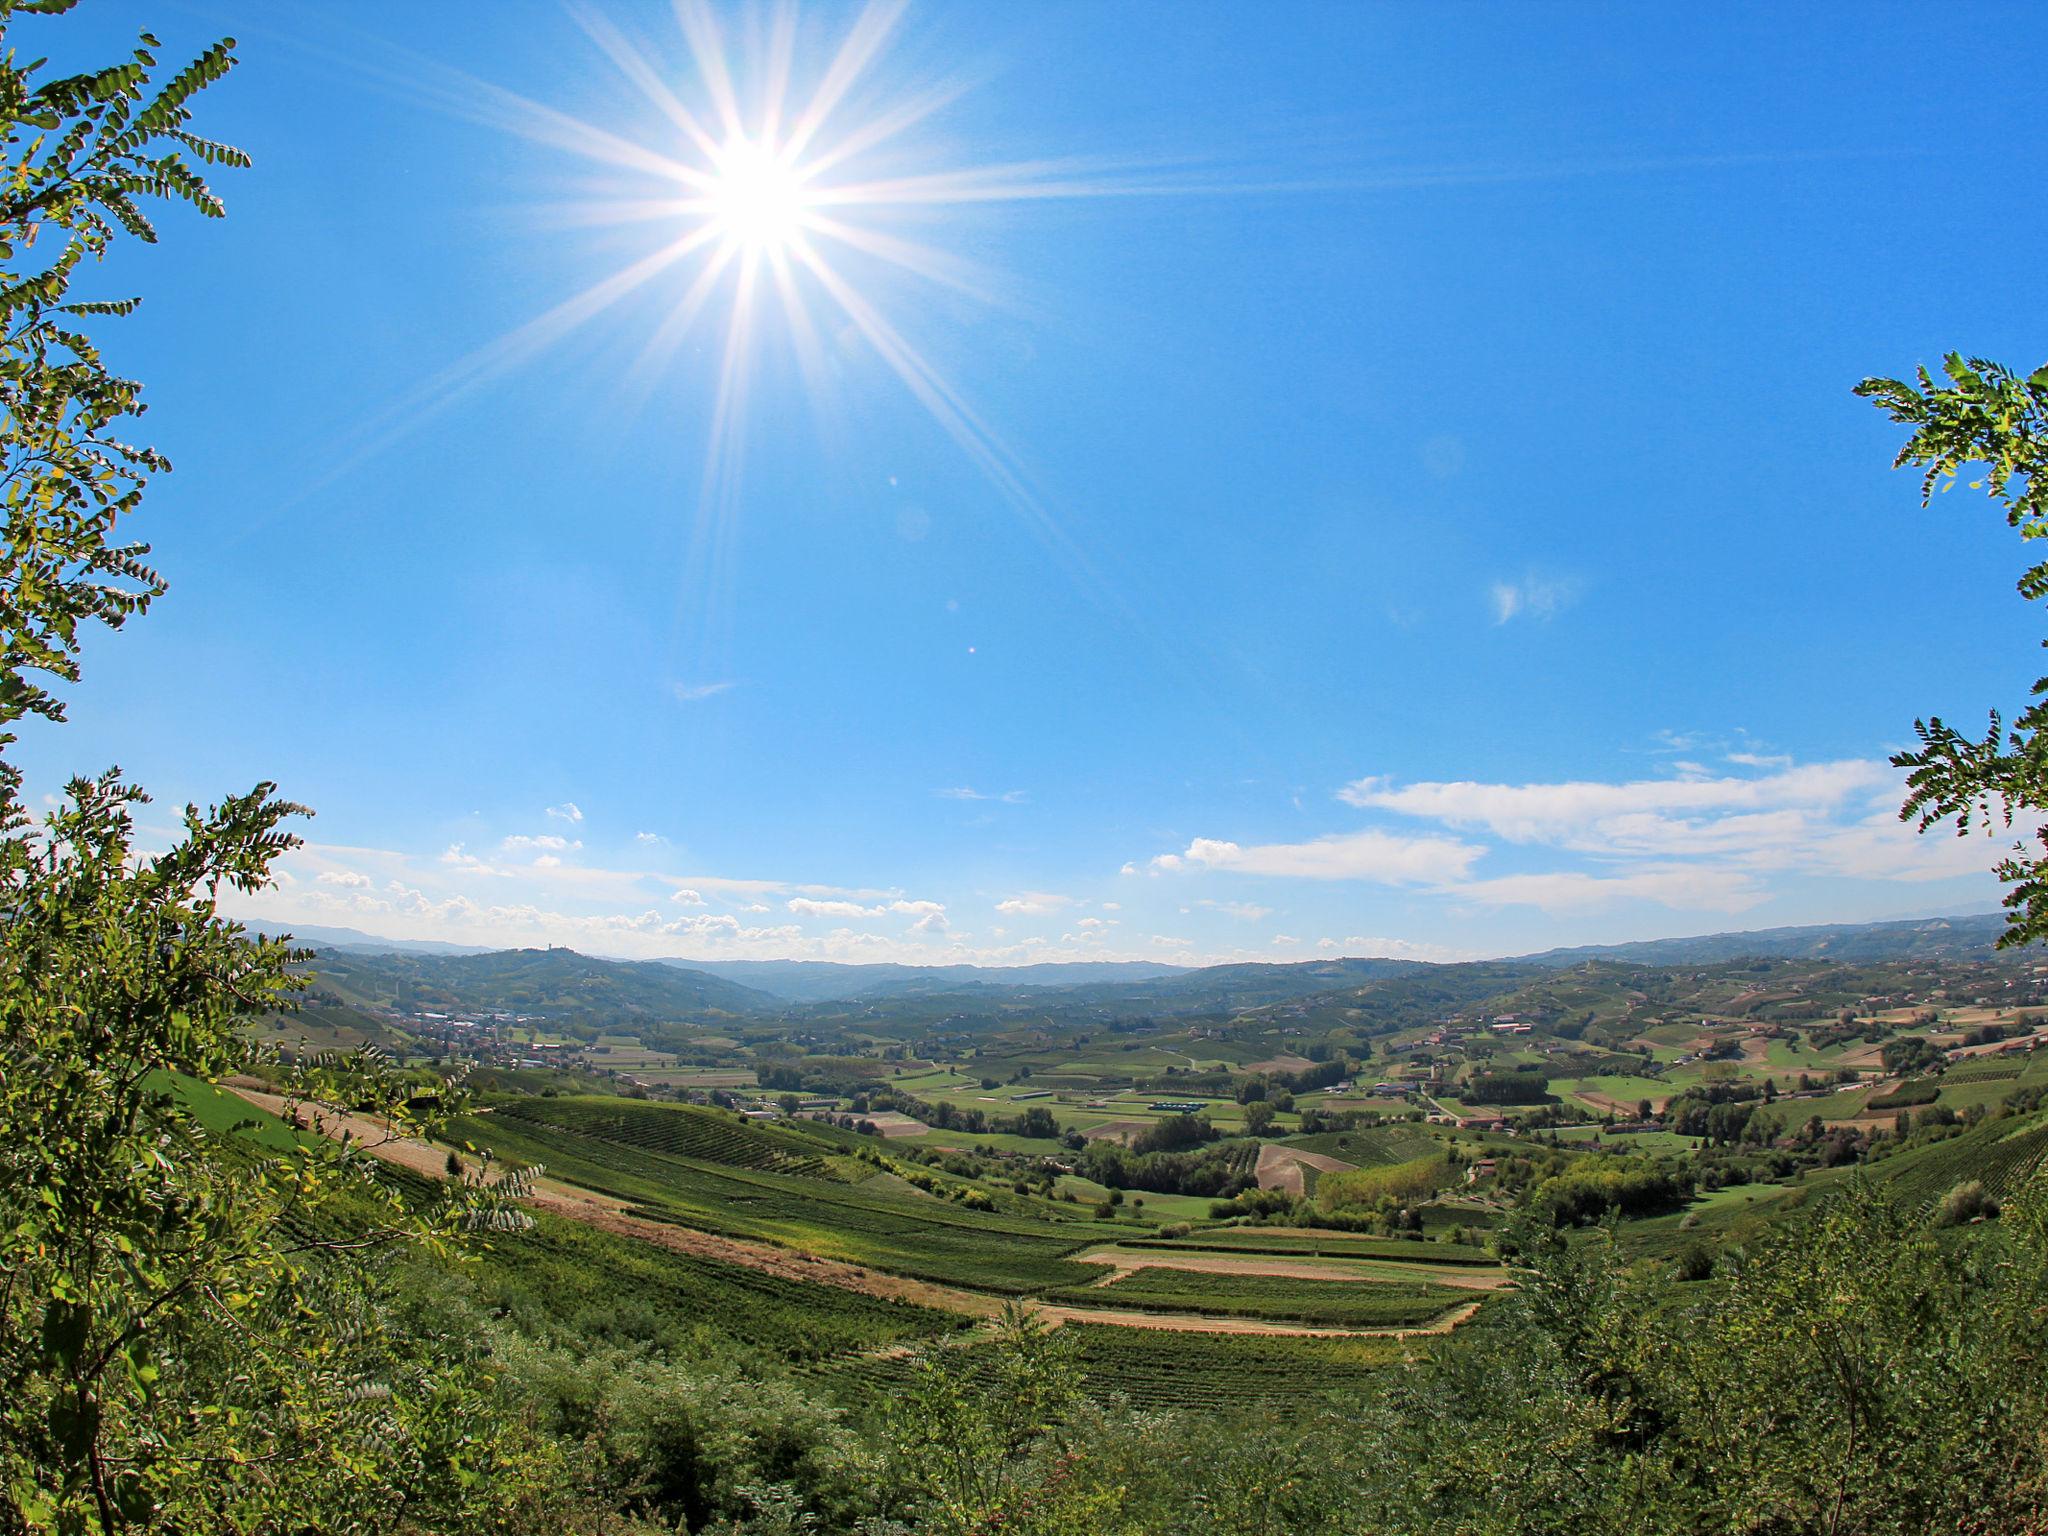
{"type": "Point", "coordinates": [567, 811]}
{"type": "Point", "coordinates": [1033, 903]}
{"type": "Point", "coordinates": [546, 842]}
{"type": "Point", "coordinates": [1005, 797]}
{"type": "Point", "coordinates": [929, 914]}
{"type": "Point", "coordinates": [1533, 597]}
{"type": "Point", "coordinates": [1381, 857]}
{"type": "Point", "coordinates": [690, 693]}
{"type": "Point", "coordinates": [1244, 911]}
{"type": "Point", "coordinates": [1632, 816]}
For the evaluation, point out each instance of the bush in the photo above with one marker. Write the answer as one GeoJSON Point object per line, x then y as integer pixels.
{"type": "Point", "coordinates": [1695, 1262]}
{"type": "Point", "coordinates": [1967, 1202]}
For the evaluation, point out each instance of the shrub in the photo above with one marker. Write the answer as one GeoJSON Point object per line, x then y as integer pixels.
{"type": "Point", "coordinates": [1967, 1202]}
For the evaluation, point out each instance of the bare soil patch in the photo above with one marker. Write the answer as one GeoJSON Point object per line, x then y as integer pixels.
{"type": "Point", "coordinates": [1280, 1063]}
{"type": "Point", "coordinates": [1119, 1130]}
{"type": "Point", "coordinates": [1280, 1167]}
{"type": "Point", "coordinates": [891, 1124]}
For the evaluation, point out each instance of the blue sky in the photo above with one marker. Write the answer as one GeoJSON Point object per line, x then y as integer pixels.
{"type": "Point", "coordinates": [1393, 485]}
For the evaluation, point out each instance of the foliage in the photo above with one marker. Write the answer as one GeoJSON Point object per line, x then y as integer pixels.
{"type": "Point", "coordinates": [1505, 1088]}
{"type": "Point", "coordinates": [79, 153]}
{"type": "Point", "coordinates": [1986, 415]}
{"type": "Point", "coordinates": [1403, 1183]}
{"type": "Point", "coordinates": [1593, 1187]}
{"type": "Point", "coordinates": [976, 1442]}
{"type": "Point", "coordinates": [188, 1323]}
{"type": "Point", "coordinates": [685, 1446]}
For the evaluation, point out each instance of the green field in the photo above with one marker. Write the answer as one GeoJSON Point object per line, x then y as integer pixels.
{"type": "Point", "coordinates": [1153, 1368]}
{"type": "Point", "coordinates": [1274, 1298]}
{"type": "Point", "coordinates": [570, 1280]}
{"type": "Point", "coordinates": [613, 1146]}
{"type": "Point", "coordinates": [1297, 1241]}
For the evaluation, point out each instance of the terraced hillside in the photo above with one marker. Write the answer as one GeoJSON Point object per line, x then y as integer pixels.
{"type": "Point", "coordinates": [828, 1193]}
{"type": "Point", "coordinates": [749, 1182]}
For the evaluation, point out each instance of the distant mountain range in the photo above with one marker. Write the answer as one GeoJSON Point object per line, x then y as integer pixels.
{"type": "Point", "coordinates": [360, 970]}
{"type": "Point", "coordinates": [555, 983]}
{"type": "Point", "coordinates": [1971, 937]}
{"type": "Point", "coordinates": [313, 936]}
{"type": "Point", "coordinates": [818, 981]}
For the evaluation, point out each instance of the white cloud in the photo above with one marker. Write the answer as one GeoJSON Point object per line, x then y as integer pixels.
{"type": "Point", "coordinates": [690, 693]}
{"type": "Point", "coordinates": [930, 915]}
{"type": "Point", "coordinates": [568, 811]}
{"type": "Point", "coordinates": [1365, 947]}
{"type": "Point", "coordinates": [347, 878]}
{"type": "Point", "coordinates": [1574, 813]}
{"type": "Point", "coordinates": [1033, 903]}
{"type": "Point", "coordinates": [1247, 911]}
{"type": "Point", "coordinates": [1686, 888]}
{"type": "Point", "coordinates": [1380, 857]}
{"type": "Point", "coordinates": [689, 898]}
{"type": "Point", "coordinates": [459, 858]}
{"type": "Point", "coordinates": [649, 839]}
{"type": "Point", "coordinates": [1283, 941]}
{"type": "Point", "coordinates": [963, 792]}
{"type": "Point", "coordinates": [546, 842]}
{"type": "Point", "coordinates": [806, 906]}
{"type": "Point", "coordinates": [547, 861]}
{"type": "Point", "coordinates": [1695, 843]}
{"type": "Point", "coordinates": [1535, 597]}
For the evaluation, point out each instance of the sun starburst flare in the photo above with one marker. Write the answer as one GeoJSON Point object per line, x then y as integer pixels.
{"type": "Point", "coordinates": [769, 207]}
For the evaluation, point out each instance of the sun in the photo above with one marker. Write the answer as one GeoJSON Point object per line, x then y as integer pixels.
{"type": "Point", "coordinates": [773, 209]}
{"type": "Point", "coordinates": [756, 198]}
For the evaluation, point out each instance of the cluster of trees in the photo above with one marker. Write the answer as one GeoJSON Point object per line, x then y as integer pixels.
{"type": "Point", "coordinates": [1036, 1121]}
{"type": "Point", "coordinates": [1912, 1053]}
{"type": "Point", "coordinates": [1594, 1188]}
{"type": "Point", "coordinates": [1172, 1157]}
{"type": "Point", "coordinates": [1505, 1088]}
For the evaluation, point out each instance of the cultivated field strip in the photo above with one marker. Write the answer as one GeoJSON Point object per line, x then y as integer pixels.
{"type": "Point", "coordinates": [1275, 1298]}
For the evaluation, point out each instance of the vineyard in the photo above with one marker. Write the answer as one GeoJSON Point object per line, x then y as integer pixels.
{"type": "Point", "coordinates": [1220, 1371]}
{"type": "Point", "coordinates": [564, 1279]}
{"type": "Point", "coordinates": [1308, 1242]}
{"type": "Point", "coordinates": [1379, 1147]}
{"type": "Point", "coordinates": [878, 1222]}
{"type": "Point", "coordinates": [702, 1135]}
{"type": "Point", "coordinates": [1982, 1072]}
{"type": "Point", "coordinates": [1274, 1298]}
{"type": "Point", "coordinates": [1998, 1154]}
{"type": "Point", "coordinates": [1214, 1372]}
